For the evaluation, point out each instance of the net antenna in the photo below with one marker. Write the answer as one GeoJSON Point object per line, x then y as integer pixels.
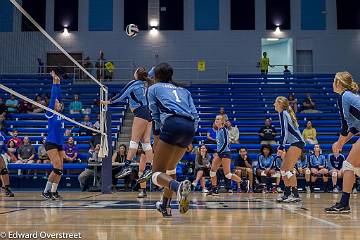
{"type": "Point", "coordinates": [103, 89]}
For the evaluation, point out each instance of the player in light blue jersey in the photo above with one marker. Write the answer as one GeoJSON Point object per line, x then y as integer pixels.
{"type": "Point", "coordinates": [4, 172]}
{"type": "Point", "coordinates": [222, 156]}
{"type": "Point", "coordinates": [135, 91]}
{"type": "Point", "coordinates": [176, 119]}
{"type": "Point", "coordinates": [290, 134]}
{"type": "Point", "coordinates": [349, 106]}
{"type": "Point", "coordinates": [54, 141]}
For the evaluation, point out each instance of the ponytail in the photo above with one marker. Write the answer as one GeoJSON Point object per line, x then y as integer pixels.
{"type": "Point", "coordinates": [347, 82]}
{"type": "Point", "coordinates": [354, 87]}
{"type": "Point", "coordinates": [286, 106]}
{"type": "Point", "coordinates": [293, 116]}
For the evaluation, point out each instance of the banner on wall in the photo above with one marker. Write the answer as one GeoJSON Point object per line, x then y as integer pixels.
{"type": "Point", "coordinates": [201, 65]}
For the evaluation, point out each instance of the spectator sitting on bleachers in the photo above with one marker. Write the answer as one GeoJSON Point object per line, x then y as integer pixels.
{"type": "Point", "coordinates": [211, 136]}
{"type": "Point", "coordinates": [317, 162]}
{"type": "Point", "coordinates": [95, 139]}
{"type": "Point", "coordinates": [46, 100]}
{"type": "Point", "coordinates": [17, 140]}
{"type": "Point", "coordinates": [25, 107]}
{"type": "Point", "coordinates": [293, 102]}
{"type": "Point", "coordinates": [86, 122]}
{"type": "Point", "coordinates": [12, 104]}
{"type": "Point", "coordinates": [286, 71]}
{"type": "Point", "coordinates": [3, 110]}
{"type": "Point", "coordinates": [11, 151]}
{"type": "Point", "coordinates": [265, 162]}
{"type": "Point", "coordinates": [302, 169]}
{"type": "Point", "coordinates": [39, 100]}
{"type": "Point", "coordinates": [202, 167]}
{"type": "Point", "coordinates": [87, 175]}
{"type": "Point", "coordinates": [26, 152]}
{"type": "Point", "coordinates": [76, 105]}
{"type": "Point", "coordinates": [276, 167]}
{"type": "Point", "coordinates": [223, 113]}
{"type": "Point", "coordinates": [71, 151]}
{"type": "Point", "coordinates": [309, 134]}
{"type": "Point", "coordinates": [68, 132]}
{"type": "Point", "coordinates": [308, 105]}
{"type": "Point", "coordinates": [120, 157]}
{"type": "Point", "coordinates": [334, 165]}
{"type": "Point", "coordinates": [96, 125]}
{"type": "Point", "coordinates": [233, 132]}
{"type": "Point", "coordinates": [42, 154]}
{"type": "Point", "coordinates": [267, 133]}
{"type": "Point", "coordinates": [243, 168]}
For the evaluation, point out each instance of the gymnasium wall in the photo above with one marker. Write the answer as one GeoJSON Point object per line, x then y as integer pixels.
{"type": "Point", "coordinates": [333, 50]}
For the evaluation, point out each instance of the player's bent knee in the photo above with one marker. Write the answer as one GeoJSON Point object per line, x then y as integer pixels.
{"type": "Point", "coordinates": [154, 178]}
{"type": "Point", "coordinates": [133, 145]}
{"type": "Point", "coordinates": [334, 174]}
{"type": "Point", "coordinates": [307, 172]}
{"type": "Point", "coordinates": [171, 172]}
{"type": "Point", "coordinates": [146, 147]}
{"type": "Point", "coordinates": [58, 171]}
{"type": "Point", "coordinates": [212, 174]}
{"type": "Point", "coordinates": [229, 175]}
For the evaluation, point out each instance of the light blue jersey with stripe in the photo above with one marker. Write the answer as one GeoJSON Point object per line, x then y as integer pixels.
{"type": "Point", "coordinates": [56, 126]}
{"type": "Point", "coordinates": [349, 107]}
{"type": "Point", "coordinates": [222, 140]}
{"type": "Point", "coordinates": [135, 92]}
{"type": "Point", "coordinates": [166, 100]}
{"type": "Point", "coordinates": [289, 132]}
{"type": "Point", "coordinates": [315, 161]}
{"type": "Point", "coordinates": [265, 162]}
{"type": "Point", "coordinates": [302, 163]}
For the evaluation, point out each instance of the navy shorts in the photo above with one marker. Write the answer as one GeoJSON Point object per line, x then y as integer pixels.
{"type": "Point", "coordinates": [178, 131]}
{"type": "Point", "coordinates": [225, 155]}
{"type": "Point", "coordinates": [142, 112]}
{"type": "Point", "coordinates": [300, 145]}
{"type": "Point", "coordinates": [50, 146]}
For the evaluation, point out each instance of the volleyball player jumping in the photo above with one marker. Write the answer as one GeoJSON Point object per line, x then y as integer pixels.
{"type": "Point", "coordinates": [54, 141]}
{"type": "Point", "coordinates": [141, 128]}
{"type": "Point", "coordinates": [176, 119]}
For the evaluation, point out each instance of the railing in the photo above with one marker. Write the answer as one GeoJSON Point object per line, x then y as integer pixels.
{"type": "Point", "coordinates": [184, 70]}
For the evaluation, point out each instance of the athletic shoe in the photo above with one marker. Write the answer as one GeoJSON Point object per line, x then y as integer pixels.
{"type": "Point", "coordinates": [294, 199]}
{"type": "Point", "coordinates": [250, 190]}
{"type": "Point", "coordinates": [283, 199]}
{"type": "Point", "coordinates": [214, 191]}
{"type": "Point", "coordinates": [46, 195]}
{"type": "Point", "coordinates": [354, 191]}
{"type": "Point", "coordinates": [182, 196]}
{"type": "Point", "coordinates": [145, 176]}
{"type": "Point", "coordinates": [55, 196]}
{"type": "Point", "coordinates": [142, 194]}
{"type": "Point", "coordinates": [230, 191]}
{"type": "Point", "coordinates": [162, 210]}
{"type": "Point", "coordinates": [308, 190]}
{"type": "Point", "coordinates": [205, 190]}
{"type": "Point", "coordinates": [194, 184]}
{"type": "Point", "coordinates": [239, 190]}
{"type": "Point", "coordinates": [338, 208]}
{"type": "Point", "coordinates": [279, 190]}
{"type": "Point", "coordinates": [8, 192]}
{"type": "Point", "coordinates": [336, 190]}
{"type": "Point", "coordinates": [124, 172]}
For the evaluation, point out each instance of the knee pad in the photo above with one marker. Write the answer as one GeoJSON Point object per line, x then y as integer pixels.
{"type": "Point", "coordinates": [171, 172]}
{"type": "Point", "coordinates": [146, 147]}
{"type": "Point", "coordinates": [282, 173]}
{"type": "Point", "coordinates": [229, 176]}
{"type": "Point", "coordinates": [133, 145]}
{"type": "Point", "coordinates": [289, 174]}
{"type": "Point", "coordinates": [58, 171]}
{"type": "Point", "coordinates": [307, 172]}
{"type": "Point", "coordinates": [4, 171]}
{"type": "Point", "coordinates": [212, 174]}
{"type": "Point", "coordinates": [349, 167]}
{"type": "Point", "coordinates": [154, 178]}
{"type": "Point", "coordinates": [334, 174]}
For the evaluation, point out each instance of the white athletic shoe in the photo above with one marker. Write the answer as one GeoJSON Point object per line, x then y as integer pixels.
{"type": "Point", "coordinates": [336, 190]}
{"type": "Point", "coordinates": [354, 191]}
{"type": "Point", "coordinates": [205, 190]}
{"type": "Point", "coordinates": [182, 196]}
{"type": "Point", "coordinates": [308, 190]}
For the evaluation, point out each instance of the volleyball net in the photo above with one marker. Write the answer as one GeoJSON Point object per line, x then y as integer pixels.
{"type": "Point", "coordinates": [31, 49]}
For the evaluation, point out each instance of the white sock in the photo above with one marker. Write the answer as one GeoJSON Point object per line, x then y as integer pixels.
{"type": "Point", "coordinates": [48, 187]}
{"type": "Point", "coordinates": [54, 187]}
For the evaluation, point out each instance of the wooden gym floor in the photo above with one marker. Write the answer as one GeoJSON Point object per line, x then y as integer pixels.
{"type": "Point", "coordinates": [228, 216]}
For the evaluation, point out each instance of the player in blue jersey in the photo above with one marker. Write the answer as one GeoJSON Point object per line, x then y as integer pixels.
{"type": "Point", "coordinates": [349, 106]}
{"type": "Point", "coordinates": [302, 168]}
{"type": "Point", "coordinates": [54, 141]}
{"type": "Point", "coordinates": [290, 134]}
{"type": "Point", "coordinates": [222, 156]}
{"type": "Point", "coordinates": [334, 165]}
{"type": "Point", "coordinates": [135, 92]}
{"type": "Point", "coordinates": [176, 120]}
{"type": "Point", "coordinates": [317, 164]}
{"type": "Point", "coordinates": [4, 173]}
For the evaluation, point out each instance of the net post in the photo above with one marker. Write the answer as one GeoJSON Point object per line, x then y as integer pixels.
{"type": "Point", "coordinates": [106, 170]}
